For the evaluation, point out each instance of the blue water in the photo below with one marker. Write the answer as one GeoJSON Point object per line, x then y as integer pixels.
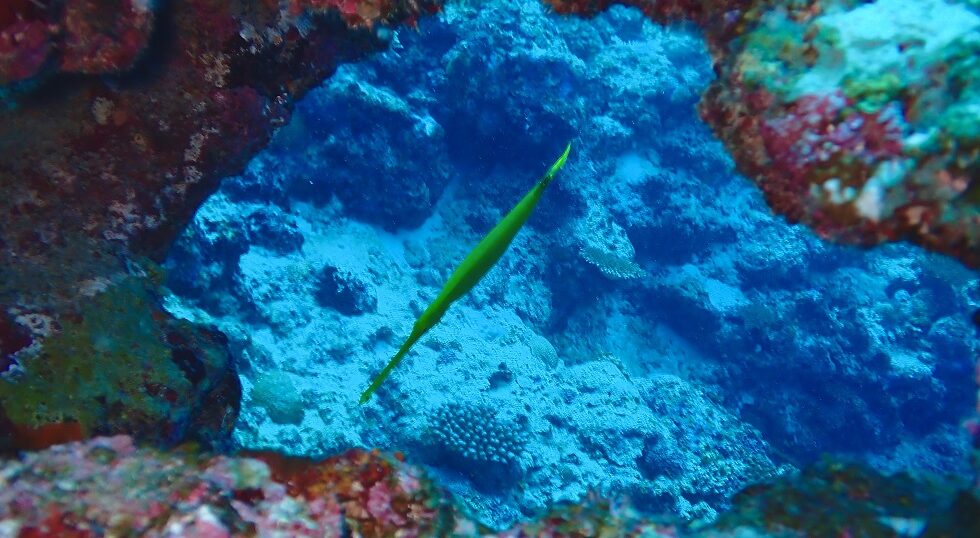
{"type": "Point", "coordinates": [653, 332]}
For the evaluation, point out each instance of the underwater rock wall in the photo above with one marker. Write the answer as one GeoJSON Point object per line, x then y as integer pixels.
{"type": "Point", "coordinates": [926, 198]}
{"type": "Point", "coordinates": [116, 120]}
{"type": "Point", "coordinates": [854, 118]}
{"type": "Point", "coordinates": [99, 172]}
{"type": "Point", "coordinates": [654, 321]}
{"type": "Point", "coordinates": [85, 489]}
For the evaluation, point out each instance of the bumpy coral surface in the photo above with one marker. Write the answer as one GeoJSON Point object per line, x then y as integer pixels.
{"type": "Point", "coordinates": [109, 487]}
{"type": "Point", "coordinates": [855, 501]}
{"type": "Point", "coordinates": [75, 36]}
{"type": "Point", "coordinates": [865, 131]}
{"type": "Point", "coordinates": [120, 360]}
{"type": "Point", "coordinates": [470, 437]}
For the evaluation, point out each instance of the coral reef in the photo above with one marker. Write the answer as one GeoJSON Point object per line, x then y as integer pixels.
{"type": "Point", "coordinates": [109, 486]}
{"type": "Point", "coordinates": [344, 292]}
{"type": "Point", "coordinates": [653, 315]}
{"type": "Point", "coordinates": [119, 360]}
{"type": "Point", "coordinates": [854, 118]}
{"type": "Point", "coordinates": [89, 489]}
{"type": "Point", "coordinates": [395, 181]}
{"type": "Point", "coordinates": [854, 500]}
{"type": "Point", "coordinates": [102, 171]}
{"type": "Point", "coordinates": [75, 36]}
{"type": "Point", "coordinates": [864, 131]}
{"type": "Point", "coordinates": [863, 140]}
{"type": "Point", "coordinates": [624, 328]}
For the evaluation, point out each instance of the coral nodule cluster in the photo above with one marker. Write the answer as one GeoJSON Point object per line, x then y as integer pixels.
{"type": "Point", "coordinates": [471, 434]}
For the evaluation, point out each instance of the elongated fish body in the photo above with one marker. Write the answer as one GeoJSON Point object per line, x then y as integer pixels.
{"type": "Point", "coordinates": [469, 272]}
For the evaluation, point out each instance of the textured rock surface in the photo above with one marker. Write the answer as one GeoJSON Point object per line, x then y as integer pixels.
{"type": "Point", "coordinates": [651, 316]}
{"type": "Point", "coordinates": [108, 486]}
{"type": "Point", "coordinates": [117, 361]}
{"type": "Point", "coordinates": [98, 172]}
{"type": "Point", "coordinates": [854, 118]}
{"type": "Point", "coordinates": [853, 500]}
{"type": "Point", "coordinates": [74, 36]}
{"type": "Point", "coordinates": [89, 489]}
{"type": "Point", "coordinates": [858, 119]}
{"type": "Point", "coordinates": [865, 132]}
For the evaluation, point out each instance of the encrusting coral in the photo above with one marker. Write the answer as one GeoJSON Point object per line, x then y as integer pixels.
{"type": "Point", "coordinates": [858, 120]}
{"type": "Point", "coordinates": [109, 486]}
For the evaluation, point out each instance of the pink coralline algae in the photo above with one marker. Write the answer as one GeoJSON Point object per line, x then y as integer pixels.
{"type": "Point", "coordinates": [824, 136]}
{"type": "Point", "coordinates": [24, 40]}
{"type": "Point", "coordinates": [864, 140]}
{"type": "Point", "coordinates": [98, 39]}
{"type": "Point", "coordinates": [77, 36]}
{"type": "Point", "coordinates": [24, 47]}
{"type": "Point", "coordinates": [366, 12]}
{"type": "Point", "coordinates": [108, 486]}
{"type": "Point", "coordinates": [857, 119]}
{"type": "Point", "coordinates": [816, 128]}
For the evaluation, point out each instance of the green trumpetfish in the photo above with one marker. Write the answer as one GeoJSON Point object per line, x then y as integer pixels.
{"type": "Point", "coordinates": [476, 264]}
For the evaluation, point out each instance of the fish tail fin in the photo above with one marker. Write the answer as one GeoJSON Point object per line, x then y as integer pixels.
{"type": "Point", "coordinates": [556, 166]}
{"type": "Point", "coordinates": [386, 371]}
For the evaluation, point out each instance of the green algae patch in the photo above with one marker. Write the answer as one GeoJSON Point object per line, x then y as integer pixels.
{"type": "Point", "coordinates": [872, 94]}
{"type": "Point", "coordinates": [108, 359]}
{"type": "Point", "coordinates": [772, 55]}
{"type": "Point", "coordinates": [117, 363]}
{"type": "Point", "coordinates": [960, 122]}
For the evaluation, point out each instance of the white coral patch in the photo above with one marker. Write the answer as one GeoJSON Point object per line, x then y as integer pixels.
{"type": "Point", "coordinates": [102, 110]}
{"type": "Point", "coordinates": [871, 202]}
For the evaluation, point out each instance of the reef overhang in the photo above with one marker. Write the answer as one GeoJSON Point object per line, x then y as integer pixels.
{"type": "Point", "coordinates": [120, 117]}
